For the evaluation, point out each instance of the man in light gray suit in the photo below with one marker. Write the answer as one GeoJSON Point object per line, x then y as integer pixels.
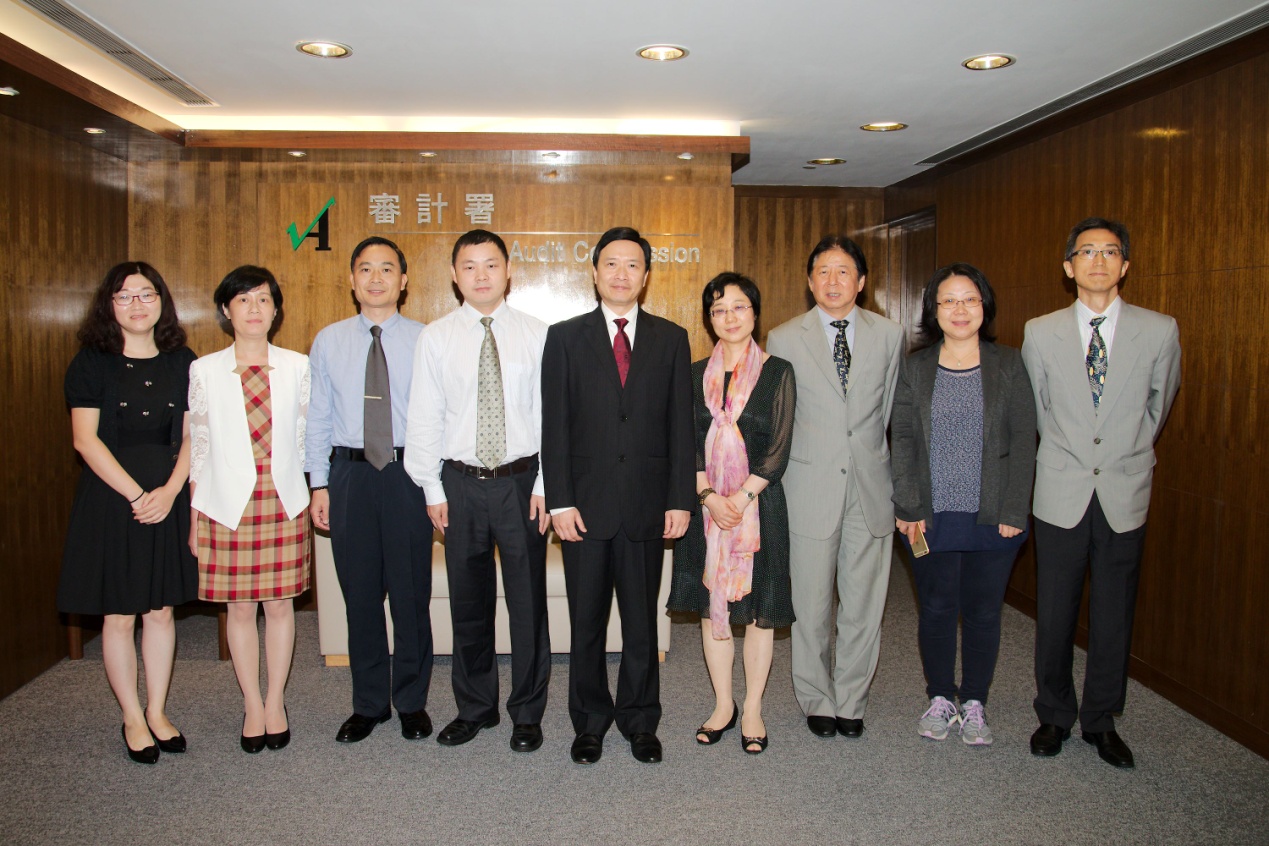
{"type": "Point", "coordinates": [841, 518]}
{"type": "Point", "coordinates": [1104, 375]}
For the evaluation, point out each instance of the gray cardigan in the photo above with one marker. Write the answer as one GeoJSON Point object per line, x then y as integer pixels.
{"type": "Point", "coordinates": [1009, 437]}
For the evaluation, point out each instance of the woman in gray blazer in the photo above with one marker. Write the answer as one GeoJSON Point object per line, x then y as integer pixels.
{"type": "Point", "coordinates": [963, 441]}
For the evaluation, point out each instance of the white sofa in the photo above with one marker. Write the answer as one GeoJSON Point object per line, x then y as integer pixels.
{"type": "Point", "coordinates": [332, 618]}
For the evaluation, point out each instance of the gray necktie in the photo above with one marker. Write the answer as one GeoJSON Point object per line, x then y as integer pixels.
{"type": "Point", "coordinates": [491, 424]}
{"type": "Point", "coordinates": [377, 420]}
{"type": "Point", "coordinates": [841, 352]}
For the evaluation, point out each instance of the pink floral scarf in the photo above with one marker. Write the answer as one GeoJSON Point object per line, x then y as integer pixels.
{"type": "Point", "coordinates": [729, 553]}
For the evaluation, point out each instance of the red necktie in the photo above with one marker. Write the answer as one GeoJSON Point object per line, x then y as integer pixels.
{"type": "Point", "coordinates": [621, 349]}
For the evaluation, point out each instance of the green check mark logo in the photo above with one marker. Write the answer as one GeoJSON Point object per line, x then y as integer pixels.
{"type": "Point", "coordinates": [298, 237]}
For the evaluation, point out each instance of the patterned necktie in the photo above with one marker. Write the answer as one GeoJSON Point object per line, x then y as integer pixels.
{"type": "Point", "coordinates": [1096, 361]}
{"type": "Point", "coordinates": [491, 424]}
{"type": "Point", "coordinates": [841, 352]}
{"type": "Point", "coordinates": [377, 411]}
{"type": "Point", "coordinates": [621, 349]}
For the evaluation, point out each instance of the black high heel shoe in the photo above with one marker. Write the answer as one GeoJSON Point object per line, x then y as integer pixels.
{"type": "Point", "coordinates": [148, 755]}
{"type": "Point", "coordinates": [173, 745]}
{"type": "Point", "coordinates": [251, 745]}
{"type": "Point", "coordinates": [760, 742]}
{"type": "Point", "coordinates": [712, 736]}
{"type": "Point", "coordinates": [282, 738]}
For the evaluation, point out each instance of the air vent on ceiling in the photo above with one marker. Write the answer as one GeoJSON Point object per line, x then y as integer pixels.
{"type": "Point", "coordinates": [77, 23]}
{"type": "Point", "coordinates": [1201, 43]}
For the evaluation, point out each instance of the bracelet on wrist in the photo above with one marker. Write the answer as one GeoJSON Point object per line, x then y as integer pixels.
{"type": "Point", "coordinates": [138, 496]}
{"type": "Point", "coordinates": [317, 488]}
{"type": "Point", "coordinates": [705, 494]}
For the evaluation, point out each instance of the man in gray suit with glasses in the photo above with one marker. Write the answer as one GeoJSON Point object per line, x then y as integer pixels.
{"type": "Point", "coordinates": [841, 518]}
{"type": "Point", "coordinates": [1104, 374]}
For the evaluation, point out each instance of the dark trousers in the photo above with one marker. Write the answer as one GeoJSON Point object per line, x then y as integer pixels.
{"type": "Point", "coordinates": [382, 543]}
{"type": "Point", "coordinates": [1113, 561]}
{"type": "Point", "coordinates": [592, 569]}
{"type": "Point", "coordinates": [482, 513]}
{"type": "Point", "coordinates": [965, 586]}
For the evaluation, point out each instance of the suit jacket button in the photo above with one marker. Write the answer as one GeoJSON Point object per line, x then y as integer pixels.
{"type": "Point", "coordinates": [849, 433]}
{"type": "Point", "coordinates": [1097, 440]}
{"type": "Point", "coordinates": [843, 471]}
{"type": "Point", "coordinates": [624, 418]}
{"type": "Point", "coordinates": [1097, 471]}
{"type": "Point", "coordinates": [621, 458]}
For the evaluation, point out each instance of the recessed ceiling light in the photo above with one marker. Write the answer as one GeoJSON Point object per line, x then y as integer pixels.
{"type": "Point", "coordinates": [92, 130]}
{"type": "Point", "coordinates": [884, 126]}
{"type": "Point", "coordinates": [687, 157]}
{"type": "Point", "coordinates": [826, 161]}
{"type": "Point", "coordinates": [1162, 132]}
{"type": "Point", "coordinates": [9, 91]}
{"type": "Point", "coordinates": [550, 155]}
{"type": "Point", "coordinates": [427, 155]}
{"type": "Point", "coordinates": [324, 49]}
{"type": "Point", "coordinates": [299, 154]}
{"type": "Point", "coordinates": [808, 167]}
{"type": "Point", "coordinates": [989, 61]}
{"type": "Point", "coordinates": [662, 52]}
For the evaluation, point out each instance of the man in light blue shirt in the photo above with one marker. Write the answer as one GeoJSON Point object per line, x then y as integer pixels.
{"type": "Point", "coordinates": [374, 512]}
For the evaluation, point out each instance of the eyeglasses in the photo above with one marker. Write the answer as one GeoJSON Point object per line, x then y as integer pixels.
{"type": "Point", "coordinates": [147, 297]}
{"type": "Point", "coordinates": [739, 311]}
{"type": "Point", "coordinates": [1110, 253]}
{"type": "Point", "coordinates": [970, 302]}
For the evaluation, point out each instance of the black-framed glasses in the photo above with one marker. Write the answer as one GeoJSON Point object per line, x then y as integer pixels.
{"type": "Point", "coordinates": [147, 297]}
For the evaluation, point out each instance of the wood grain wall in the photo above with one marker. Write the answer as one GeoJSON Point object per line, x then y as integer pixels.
{"type": "Point", "coordinates": [1186, 170]}
{"type": "Point", "coordinates": [776, 227]}
{"type": "Point", "coordinates": [64, 209]}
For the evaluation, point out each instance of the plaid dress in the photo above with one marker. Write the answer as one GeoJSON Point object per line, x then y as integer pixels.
{"type": "Point", "coordinates": [267, 557]}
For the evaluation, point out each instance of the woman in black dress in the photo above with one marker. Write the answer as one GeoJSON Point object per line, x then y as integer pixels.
{"type": "Point", "coordinates": [125, 549]}
{"type": "Point", "coordinates": [732, 565]}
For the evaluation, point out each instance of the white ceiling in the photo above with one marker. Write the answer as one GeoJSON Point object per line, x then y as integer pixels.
{"type": "Point", "coordinates": [798, 76]}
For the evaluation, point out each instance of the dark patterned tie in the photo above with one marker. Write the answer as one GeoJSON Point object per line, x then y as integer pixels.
{"type": "Point", "coordinates": [491, 424]}
{"type": "Point", "coordinates": [841, 352]}
{"type": "Point", "coordinates": [1096, 361]}
{"type": "Point", "coordinates": [621, 349]}
{"type": "Point", "coordinates": [377, 420]}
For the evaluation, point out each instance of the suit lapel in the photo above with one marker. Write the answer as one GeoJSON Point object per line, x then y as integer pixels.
{"type": "Point", "coordinates": [646, 340]}
{"type": "Point", "coordinates": [597, 332]}
{"type": "Point", "coordinates": [862, 352]}
{"type": "Point", "coordinates": [1123, 358]}
{"type": "Point", "coordinates": [816, 341]}
{"type": "Point", "coordinates": [1071, 357]}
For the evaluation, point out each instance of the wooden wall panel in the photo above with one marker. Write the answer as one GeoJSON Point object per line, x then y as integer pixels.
{"type": "Point", "coordinates": [1186, 170]}
{"type": "Point", "coordinates": [776, 227]}
{"type": "Point", "coordinates": [64, 211]}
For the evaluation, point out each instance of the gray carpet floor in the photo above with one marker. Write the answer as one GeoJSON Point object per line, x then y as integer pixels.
{"type": "Point", "coordinates": [64, 777]}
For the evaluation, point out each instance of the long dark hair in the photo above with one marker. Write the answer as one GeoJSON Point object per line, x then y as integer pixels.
{"type": "Point", "coordinates": [100, 329]}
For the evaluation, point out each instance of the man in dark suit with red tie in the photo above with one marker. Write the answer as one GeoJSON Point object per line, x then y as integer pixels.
{"type": "Point", "coordinates": [619, 463]}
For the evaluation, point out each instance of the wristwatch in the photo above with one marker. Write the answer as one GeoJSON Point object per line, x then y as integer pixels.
{"type": "Point", "coordinates": [752, 496]}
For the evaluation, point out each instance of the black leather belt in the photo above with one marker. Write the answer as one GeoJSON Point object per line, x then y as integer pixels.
{"type": "Point", "coordinates": [354, 454]}
{"type": "Point", "coordinates": [501, 472]}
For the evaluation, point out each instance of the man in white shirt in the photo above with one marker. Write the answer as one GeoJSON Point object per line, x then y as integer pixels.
{"type": "Point", "coordinates": [472, 443]}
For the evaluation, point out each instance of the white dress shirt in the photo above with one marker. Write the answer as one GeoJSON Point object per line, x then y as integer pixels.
{"type": "Point", "coordinates": [610, 316]}
{"type": "Point", "coordinates": [1083, 314]}
{"type": "Point", "coordinates": [441, 420]}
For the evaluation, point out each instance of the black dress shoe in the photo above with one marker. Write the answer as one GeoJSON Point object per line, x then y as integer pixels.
{"type": "Point", "coordinates": [251, 745]}
{"type": "Point", "coordinates": [526, 737]}
{"type": "Point", "coordinates": [1111, 748]}
{"type": "Point", "coordinates": [645, 747]}
{"type": "Point", "coordinates": [822, 726]}
{"type": "Point", "coordinates": [712, 736]}
{"type": "Point", "coordinates": [173, 745]}
{"type": "Point", "coordinates": [358, 727]}
{"type": "Point", "coordinates": [847, 727]}
{"type": "Point", "coordinates": [416, 726]}
{"type": "Point", "coordinates": [282, 738]}
{"type": "Point", "coordinates": [459, 731]}
{"type": "Point", "coordinates": [1047, 740]}
{"type": "Point", "coordinates": [587, 748]}
{"type": "Point", "coordinates": [148, 755]}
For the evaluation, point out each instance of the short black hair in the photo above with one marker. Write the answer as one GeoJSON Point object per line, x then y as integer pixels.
{"type": "Point", "coordinates": [838, 242]}
{"type": "Point", "coordinates": [930, 328]}
{"type": "Point", "coordinates": [100, 329]}
{"type": "Point", "coordinates": [624, 233]}
{"type": "Point", "coordinates": [1113, 226]}
{"type": "Point", "coordinates": [715, 288]}
{"type": "Point", "coordinates": [372, 241]}
{"type": "Point", "coordinates": [240, 280]}
{"type": "Point", "coordinates": [478, 236]}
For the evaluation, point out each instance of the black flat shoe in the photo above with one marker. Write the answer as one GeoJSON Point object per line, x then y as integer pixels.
{"type": "Point", "coordinates": [1047, 740]}
{"type": "Point", "coordinates": [822, 726]}
{"type": "Point", "coordinates": [358, 727]}
{"type": "Point", "coordinates": [712, 736]}
{"type": "Point", "coordinates": [251, 745]}
{"type": "Point", "coordinates": [587, 748]}
{"type": "Point", "coordinates": [460, 731]}
{"type": "Point", "coordinates": [645, 747]}
{"type": "Point", "coordinates": [848, 727]}
{"type": "Point", "coordinates": [173, 745]}
{"type": "Point", "coordinates": [526, 737]}
{"type": "Point", "coordinates": [760, 742]}
{"type": "Point", "coordinates": [415, 725]}
{"type": "Point", "coordinates": [1111, 748]}
{"type": "Point", "coordinates": [148, 755]}
{"type": "Point", "coordinates": [282, 738]}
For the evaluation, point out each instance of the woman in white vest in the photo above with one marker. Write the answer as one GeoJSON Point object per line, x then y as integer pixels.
{"type": "Point", "coordinates": [247, 415]}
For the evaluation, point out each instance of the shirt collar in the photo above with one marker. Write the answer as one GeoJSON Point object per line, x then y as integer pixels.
{"type": "Point", "coordinates": [471, 317]}
{"type": "Point", "coordinates": [1085, 314]}
{"type": "Point", "coordinates": [610, 315]}
{"type": "Point", "coordinates": [826, 319]}
{"type": "Point", "coordinates": [386, 326]}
